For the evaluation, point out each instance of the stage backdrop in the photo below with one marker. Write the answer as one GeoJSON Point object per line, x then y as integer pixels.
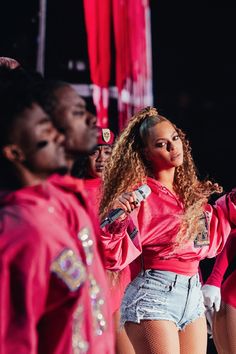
{"type": "Point", "coordinates": [124, 25]}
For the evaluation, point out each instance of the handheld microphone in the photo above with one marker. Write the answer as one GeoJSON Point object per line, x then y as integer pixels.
{"type": "Point", "coordinates": [141, 194]}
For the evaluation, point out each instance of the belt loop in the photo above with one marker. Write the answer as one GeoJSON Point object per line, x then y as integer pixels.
{"type": "Point", "coordinates": [189, 282]}
{"type": "Point", "coordinates": [142, 265]}
{"type": "Point", "coordinates": [175, 281]}
{"type": "Point", "coordinates": [198, 279]}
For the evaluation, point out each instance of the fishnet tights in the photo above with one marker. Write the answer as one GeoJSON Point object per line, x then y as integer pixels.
{"type": "Point", "coordinates": [163, 337]}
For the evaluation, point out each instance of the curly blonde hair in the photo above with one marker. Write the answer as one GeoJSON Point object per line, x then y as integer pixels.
{"type": "Point", "coordinates": [128, 168]}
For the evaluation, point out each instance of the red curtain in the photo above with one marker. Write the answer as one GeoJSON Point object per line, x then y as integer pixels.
{"type": "Point", "coordinates": [131, 24]}
{"type": "Point", "coordinates": [98, 26]}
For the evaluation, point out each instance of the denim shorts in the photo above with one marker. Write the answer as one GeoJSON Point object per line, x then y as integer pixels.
{"type": "Point", "coordinates": [163, 295]}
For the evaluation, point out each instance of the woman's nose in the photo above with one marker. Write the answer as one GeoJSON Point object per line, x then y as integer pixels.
{"type": "Point", "coordinates": [170, 146]}
{"type": "Point", "coordinates": [100, 156]}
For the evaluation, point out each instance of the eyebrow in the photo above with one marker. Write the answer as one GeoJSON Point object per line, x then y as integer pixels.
{"type": "Point", "coordinates": [44, 120]}
{"type": "Point", "coordinates": [174, 132]}
{"type": "Point", "coordinates": [80, 105]}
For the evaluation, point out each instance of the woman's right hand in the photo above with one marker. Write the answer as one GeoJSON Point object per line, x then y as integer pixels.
{"type": "Point", "coordinates": [212, 297]}
{"type": "Point", "coordinates": [127, 201]}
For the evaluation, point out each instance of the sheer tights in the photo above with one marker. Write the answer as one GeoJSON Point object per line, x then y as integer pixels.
{"type": "Point", "coordinates": [163, 337]}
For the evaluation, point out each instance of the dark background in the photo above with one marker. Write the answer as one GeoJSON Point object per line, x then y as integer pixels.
{"type": "Point", "coordinates": [194, 69]}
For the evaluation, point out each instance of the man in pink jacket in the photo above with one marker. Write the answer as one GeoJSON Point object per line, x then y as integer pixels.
{"type": "Point", "coordinates": [53, 286]}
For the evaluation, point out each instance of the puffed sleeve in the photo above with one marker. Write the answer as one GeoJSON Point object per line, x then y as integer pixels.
{"type": "Point", "coordinates": [222, 261]}
{"type": "Point", "coordinates": [228, 205]}
{"type": "Point", "coordinates": [24, 278]}
{"type": "Point", "coordinates": [222, 218]}
{"type": "Point", "coordinates": [121, 243]}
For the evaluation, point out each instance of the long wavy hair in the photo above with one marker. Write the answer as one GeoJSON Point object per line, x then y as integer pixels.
{"type": "Point", "coordinates": [128, 168]}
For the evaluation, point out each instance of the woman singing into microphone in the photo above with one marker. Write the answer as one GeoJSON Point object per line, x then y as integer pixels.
{"type": "Point", "coordinates": [162, 309]}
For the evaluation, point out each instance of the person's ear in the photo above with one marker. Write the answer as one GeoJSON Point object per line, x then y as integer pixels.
{"type": "Point", "coordinates": [13, 153]}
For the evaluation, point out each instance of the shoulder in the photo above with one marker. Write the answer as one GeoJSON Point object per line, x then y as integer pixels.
{"type": "Point", "coordinates": [26, 219]}
{"type": "Point", "coordinates": [19, 220]}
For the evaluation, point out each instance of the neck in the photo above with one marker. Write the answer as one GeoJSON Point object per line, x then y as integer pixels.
{"type": "Point", "coordinates": [70, 160]}
{"type": "Point", "coordinates": [14, 177]}
{"type": "Point", "coordinates": [166, 177]}
{"type": "Point", "coordinates": [28, 178]}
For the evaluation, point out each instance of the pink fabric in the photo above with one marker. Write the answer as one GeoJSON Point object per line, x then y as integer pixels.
{"type": "Point", "coordinates": [228, 290]}
{"type": "Point", "coordinates": [222, 261]}
{"type": "Point", "coordinates": [98, 27]}
{"type": "Point", "coordinates": [157, 221]}
{"type": "Point", "coordinates": [93, 189]}
{"type": "Point", "coordinates": [133, 72]}
{"type": "Point", "coordinates": [37, 307]}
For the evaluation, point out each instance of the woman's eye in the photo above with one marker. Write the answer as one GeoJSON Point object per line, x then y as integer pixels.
{"type": "Point", "coordinates": [176, 137]}
{"type": "Point", "coordinates": [161, 144]}
{"type": "Point", "coordinates": [78, 113]}
{"type": "Point", "coordinates": [108, 153]}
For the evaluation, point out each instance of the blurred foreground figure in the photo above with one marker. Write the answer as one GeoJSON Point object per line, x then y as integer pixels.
{"type": "Point", "coordinates": [68, 112]}
{"type": "Point", "coordinates": [90, 168]}
{"type": "Point", "coordinates": [53, 285]}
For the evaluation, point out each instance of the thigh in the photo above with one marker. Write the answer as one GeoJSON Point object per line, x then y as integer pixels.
{"type": "Point", "coordinates": [122, 342]}
{"type": "Point", "coordinates": [154, 337]}
{"type": "Point", "coordinates": [220, 333]}
{"type": "Point", "coordinates": [193, 338]}
{"type": "Point", "coordinates": [231, 328]}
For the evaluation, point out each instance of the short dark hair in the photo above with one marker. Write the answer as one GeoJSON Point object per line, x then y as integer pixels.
{"type": "Point", "coordinates": [19, 89]}
{"type": "Point", "coordinates": [47, 95]}
{"type": "Point", "coordinates": [14, 99]}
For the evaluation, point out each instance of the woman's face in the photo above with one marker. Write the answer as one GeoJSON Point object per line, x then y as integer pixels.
{"type": "Point", "coordinates": [97, 160]}
{"type": "Point", "coordinates": [164, 147]}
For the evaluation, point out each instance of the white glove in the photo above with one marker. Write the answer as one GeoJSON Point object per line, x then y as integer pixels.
{"type": "Point", "coordinates": [212, 297]}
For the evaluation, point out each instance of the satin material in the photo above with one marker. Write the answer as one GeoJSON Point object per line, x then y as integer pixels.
{"type": "Point", "coordinates": [158, 221]}
{"type": "Point", "coordinates": [37, 307]}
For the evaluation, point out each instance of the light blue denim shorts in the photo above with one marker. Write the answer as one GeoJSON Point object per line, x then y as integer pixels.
{"type": "Point", "coordinates": [163, 295]}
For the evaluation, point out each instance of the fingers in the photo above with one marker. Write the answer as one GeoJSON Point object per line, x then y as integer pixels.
{"type": "Point", "coordinates": [217, 304]}
{"type": "Point", "coordinates": [128, 201]}
{"type": "Point", "coordinates": [208, 302]}
{"type": "Point", "coordinates": [212, 297]}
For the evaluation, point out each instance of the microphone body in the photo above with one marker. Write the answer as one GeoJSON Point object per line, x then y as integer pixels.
{"type": "Point", "coordinates": [141, 194]}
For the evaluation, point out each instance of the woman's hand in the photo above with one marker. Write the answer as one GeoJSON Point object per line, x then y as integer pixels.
{"type": "Point", "coordinates": [127, 201]}
{"type": "Point", "coordinates": [212, 300]}
{"type": "Point", "coordinates": [212, 297]}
